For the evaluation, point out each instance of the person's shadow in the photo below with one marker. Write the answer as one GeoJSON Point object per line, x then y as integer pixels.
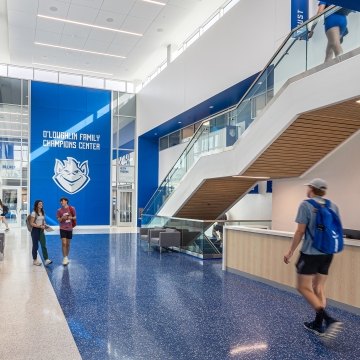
{"type": "Point", "coordinates": [66, 294]}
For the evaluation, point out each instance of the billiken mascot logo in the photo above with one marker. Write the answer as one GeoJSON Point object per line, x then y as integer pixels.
{"type": "Point", "coordinates": [70, 175]}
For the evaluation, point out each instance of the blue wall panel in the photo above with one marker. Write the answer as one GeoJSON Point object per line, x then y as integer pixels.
{"type": "Point", "coordinates": [70, 150]}
{"type": "Point", "coordinates": [148, 165]}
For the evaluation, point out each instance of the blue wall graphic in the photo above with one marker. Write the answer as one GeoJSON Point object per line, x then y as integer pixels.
{"type": "Point", "coordinates": [71, 150]}
{"type": "Point", "coordinates": [299, 12]}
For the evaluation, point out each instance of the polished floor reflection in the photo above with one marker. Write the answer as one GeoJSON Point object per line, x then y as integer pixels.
{"type": "Point", "coordinates": [122, 301]}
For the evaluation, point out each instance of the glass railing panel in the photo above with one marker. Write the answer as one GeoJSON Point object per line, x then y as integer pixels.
{"type": "Point", "coordinates": [301, 51]}
{"type": "Point", "coordinates": [193, 234]}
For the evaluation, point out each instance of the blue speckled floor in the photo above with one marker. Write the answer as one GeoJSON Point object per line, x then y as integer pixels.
{"type": "Point", "coordinates": [123, 302]}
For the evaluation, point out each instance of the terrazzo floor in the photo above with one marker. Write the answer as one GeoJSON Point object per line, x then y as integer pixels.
{"type": "Point", "coordinates": [122, 301]}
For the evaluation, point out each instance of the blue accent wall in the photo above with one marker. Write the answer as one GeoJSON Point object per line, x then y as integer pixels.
{"type": "Point", "coordinates": [70, 150]}
{"type": "Point", "coordinates": [148, 165]}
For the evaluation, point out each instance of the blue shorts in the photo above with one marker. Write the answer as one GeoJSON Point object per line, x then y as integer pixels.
{"type": "Point", "coordinates": [336, 20]}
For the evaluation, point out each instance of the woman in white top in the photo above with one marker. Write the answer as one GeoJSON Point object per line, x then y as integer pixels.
{"type": "Point", "coordinates": [37, 233]}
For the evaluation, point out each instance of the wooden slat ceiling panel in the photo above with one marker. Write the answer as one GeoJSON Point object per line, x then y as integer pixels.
{"type": "Point", "coordinates": [213, 197]}
{"type": "Point", "coordinates": [304, 143]}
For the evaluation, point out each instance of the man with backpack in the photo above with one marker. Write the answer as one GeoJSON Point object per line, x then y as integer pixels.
{"type": "Point", "coordinates": [319, 223]}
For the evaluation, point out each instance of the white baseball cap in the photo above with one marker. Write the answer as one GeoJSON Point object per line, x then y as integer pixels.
{"type": "Point", "coordinates": [318, 183]}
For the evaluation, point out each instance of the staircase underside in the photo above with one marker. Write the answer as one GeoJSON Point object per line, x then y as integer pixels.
{"type": "Point", "coordinates": [304, 143]}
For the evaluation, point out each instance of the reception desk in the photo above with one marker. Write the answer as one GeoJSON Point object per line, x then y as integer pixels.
{"type": "Point", "coordinates": [259, 253]}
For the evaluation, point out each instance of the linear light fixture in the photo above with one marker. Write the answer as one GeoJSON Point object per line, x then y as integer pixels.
{"type": "Point", "coordinates": [88, 25]}
{"type": "Point", "coordinates": [69, 68]}
{"type": "Point", "coordinates": [79, 50]}
{"type": "Point", "coordinates": [154, 2]}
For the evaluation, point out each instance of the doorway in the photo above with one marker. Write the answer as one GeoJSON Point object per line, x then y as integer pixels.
{"type": "Point", "coordinates": [12, 198]}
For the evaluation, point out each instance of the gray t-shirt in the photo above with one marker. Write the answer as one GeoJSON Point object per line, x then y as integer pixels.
{"type": "Point", "coordinates": [39, 219]}
{"type": "Point", "coordinates": [307, 215]}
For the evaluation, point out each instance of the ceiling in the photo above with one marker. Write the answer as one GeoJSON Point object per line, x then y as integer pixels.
{"type": "Point", "coordinates": [159, 26]}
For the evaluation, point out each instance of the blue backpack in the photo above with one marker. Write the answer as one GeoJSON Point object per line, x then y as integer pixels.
{"type": "Point", "coordinates": [328, 236]}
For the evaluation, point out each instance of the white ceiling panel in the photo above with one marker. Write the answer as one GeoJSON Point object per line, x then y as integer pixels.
{"type": "Point", "coordinates": [47, 37]}
{"type": "Point", "coordinates": [18, 34]}
{"type": "Point", "coordinates": [126, 40]}
{"type": "Point", "coordinates": [102, 35]}
{"type": "Point", "coordinates": [120, 49]}
{"type": "Point", "coordinates": [73, 41]}
{"type": "Point", "coordinates": [116, 23]}
{"type": "Point", "coordinates": [99, 46]}
{"type": "Point", "coordinates": [118, 6]}
{"type": "Point", "coordinates": [52, 8]}
{"type": "Point", "coordinates": [137, 25]}
{"type": "Point", "coordinates": [82, 14]}
{"type": "Point", "coordinates": [160, 26]}
{"type": "Point", "coordinates": [90, 3]}
{"type": "Point", "coordinates": [30, 7]}
{"type": "Point", "coordinates": [77, 30]}
{"type": "Point", "coordinates": [49, 25]}
{"type": "Point", "coordinates": [145, 10]}
{"type": "Point", "coordinates": [21, 19]}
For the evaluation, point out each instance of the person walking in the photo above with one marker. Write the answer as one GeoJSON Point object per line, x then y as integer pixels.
{"type": "Point", "coordinates": [313, 265]}
{"type": "Point", "coordinates": [66, 216]}
{"type": "Point", "coordinates": [3, 212]}
{"type": "Point", "coordinates": [335, 29]}
{"type": "Point", "coordinates": [37, 221]}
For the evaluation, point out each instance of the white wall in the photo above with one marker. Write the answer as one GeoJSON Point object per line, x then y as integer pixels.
{"type": "Point", "coordinates": [253, 206]}
{"type": "Point", "coordinates": [341, 169]}
{"type": "Point", "coordinates": [167, 159]}
{"type": "Point", "coordinates": [237, 46]}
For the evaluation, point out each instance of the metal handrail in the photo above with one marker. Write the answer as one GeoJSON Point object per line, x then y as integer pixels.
{"type": "Point", "coordinates": [233, 107]}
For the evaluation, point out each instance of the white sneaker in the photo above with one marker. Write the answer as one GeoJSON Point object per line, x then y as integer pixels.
{"type": "Point", "coordinates": [48, 262]}
{"type": "Point", "coordinates": [65, 261]}
{"type": "Point", "coordinates": [36, 262]}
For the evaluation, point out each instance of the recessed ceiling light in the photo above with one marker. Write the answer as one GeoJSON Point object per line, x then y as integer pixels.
{"type": "Point", "coordinates": [211, 106]}
{"type": "Point", "coordinates": [88, 25]}
{"type": "Point", "coordinates": [154, 2]}
{"type": "Point", "coordinates": [69, 68]}
{"type": "Point", "coordinates": [109, 19]}
{"type": "Point", "coordinates": [53, 8]}
{"type": "Point", "coordinates": [79, 50]}
{"type": "Point", "coordinates": [155, 133]}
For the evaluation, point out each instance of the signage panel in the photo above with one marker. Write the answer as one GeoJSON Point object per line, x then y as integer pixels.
{"type": "Point", "coordinates": [70, 150]}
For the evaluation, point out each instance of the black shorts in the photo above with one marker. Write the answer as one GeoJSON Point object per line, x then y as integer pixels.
{"type": "Point", "coordinates": [67, 234]}
{"type": "Point", "coordinates": [313, 264]}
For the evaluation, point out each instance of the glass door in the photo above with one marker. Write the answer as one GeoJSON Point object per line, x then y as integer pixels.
{"type": "Point", "coordinates": [123, 158]}
{"type": "Point", "coordinates": [124, 207]}
{"type": "Point", "coordinates": [12, 198]}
